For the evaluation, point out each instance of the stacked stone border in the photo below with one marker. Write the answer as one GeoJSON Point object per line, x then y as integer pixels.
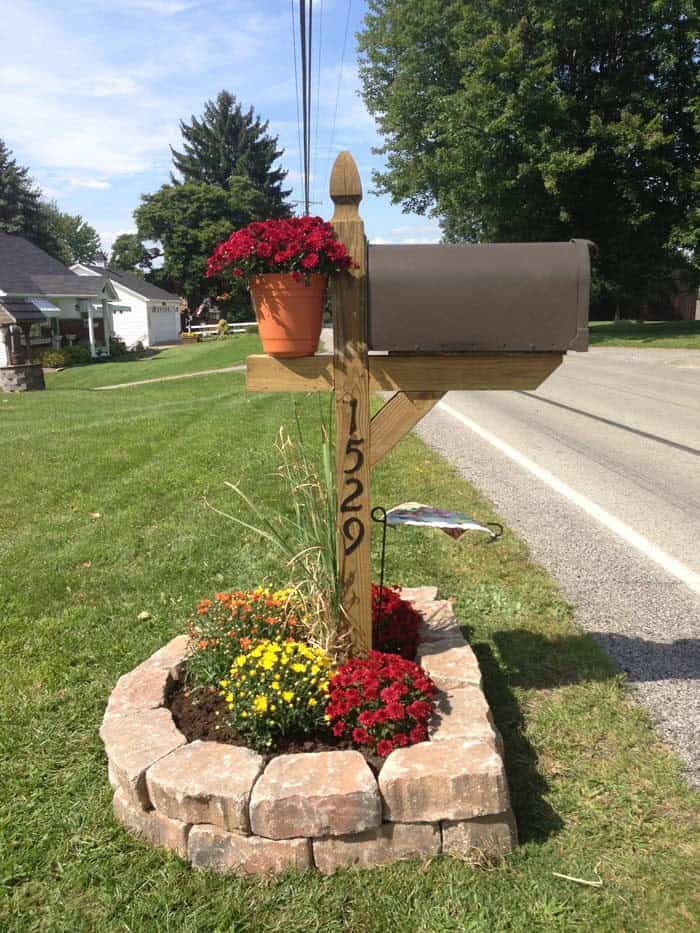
{"type": "Point", "coordinates": [220, 807]}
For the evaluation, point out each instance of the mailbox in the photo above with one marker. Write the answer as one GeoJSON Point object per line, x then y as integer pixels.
{"type": "Point", "coordinates": [479, 298]}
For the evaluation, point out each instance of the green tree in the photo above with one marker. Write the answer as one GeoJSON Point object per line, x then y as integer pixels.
{"type": "Point", "coordinates": [76, 239]}
{"type": "Point", "coordinates": [188, 220]}
{"type": "Point", "coordinates": [22, 212]}
{"type": "Point", "coordinates": [132, 255]}
{"type": "Point", "coordinates": [544, 119]}
{"type": "Point", "coordinates": [225, 143]}
{"type": "Point", "coordinates": [20, 207]}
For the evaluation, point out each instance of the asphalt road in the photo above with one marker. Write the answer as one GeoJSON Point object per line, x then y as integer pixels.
{"type": "Point", "coordinates": [599, 471]}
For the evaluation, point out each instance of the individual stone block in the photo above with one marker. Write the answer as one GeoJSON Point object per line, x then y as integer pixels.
{"type": "Point", "coordinates": [462, 714]}
{"type": "Point", "coordinates": [206, 782]}
{"type": "Point", "coordinates": [171, 655]}
{"type": "Point", "coordinates": [147, 685]}
{"type": "Point", "coordinates": [489, 837]}
{"type": "Point", "coordinates": [418, 595]}
{"type": "Point", "coordinates": [449, 780]}
{"type": "Point", "coordinates": [450, 666]}
{"type": "Point", "coordinates": [143, 688]}
{"type": "Point", "coordinates": [389, 842]}
{"type": "Point", "coordinates": [211, 847]}
{"type": "Point", "coordinates": [134, 742]}
{"type": "Point", "coordinates": [439, 623]}
{"type": "Point", "coordinates": [151, 825]}
{"type": "Point", "coordinates": [319, 794]}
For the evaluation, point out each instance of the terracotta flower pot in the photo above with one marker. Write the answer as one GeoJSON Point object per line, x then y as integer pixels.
{"type": "Point", "coordinates": [289, 313]}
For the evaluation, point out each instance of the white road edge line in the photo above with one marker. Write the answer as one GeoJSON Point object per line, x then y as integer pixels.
{"type": "Point", "coordinates": [632, 537]}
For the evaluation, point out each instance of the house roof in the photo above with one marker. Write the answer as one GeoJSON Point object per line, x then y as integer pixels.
{"type": "Point", "coordinates": [18, 311]}
{"type": "Point", "coordinates": [133, 282]}
{"type": "Point", "coordinates": [25, 269]}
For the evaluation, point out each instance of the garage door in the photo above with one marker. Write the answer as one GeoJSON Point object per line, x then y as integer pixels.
{"type": "Point", "coordinates": [165, 326]}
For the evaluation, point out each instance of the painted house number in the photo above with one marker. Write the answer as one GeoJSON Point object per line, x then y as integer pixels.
{"type": "Point", "coordinates": [353, 526]}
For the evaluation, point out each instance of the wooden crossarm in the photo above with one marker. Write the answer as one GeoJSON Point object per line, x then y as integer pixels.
{"type": "Point", "coordinates": [396, 418]}
{"type": "Point", "coordinates": [407, 373]}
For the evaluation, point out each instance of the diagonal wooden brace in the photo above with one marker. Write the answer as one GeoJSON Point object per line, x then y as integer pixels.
{"type": "Point", "coordinates": [396, 418]}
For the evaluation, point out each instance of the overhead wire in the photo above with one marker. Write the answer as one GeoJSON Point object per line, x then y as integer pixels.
{"type": "Point", "coordinates": [337, 93]}
{"type": "Point", "coordinates": [296, 87]}
{"type": "Point", "coordinates": [318, 190]}
{"type": "Point", "coordinates": [304, 93]}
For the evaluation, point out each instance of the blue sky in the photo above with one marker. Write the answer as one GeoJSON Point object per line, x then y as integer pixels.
{"type": "Point", "coordinates": [92, 93]}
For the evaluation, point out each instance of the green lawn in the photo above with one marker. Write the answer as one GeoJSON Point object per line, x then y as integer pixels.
{"type": "Point", "coordinates": [678, 335]}
{"type": "Point", "coordinates": [194, 358]}
{"type": "Point", "coordinates": [596, 794]}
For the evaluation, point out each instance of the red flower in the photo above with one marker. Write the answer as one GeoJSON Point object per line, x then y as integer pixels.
{"type": "Point", "coordinates": [296, 244]}
{"type": "Point", "coordinates": [393, 714]}
{"type": "Point", "coordinates": [310, 261]}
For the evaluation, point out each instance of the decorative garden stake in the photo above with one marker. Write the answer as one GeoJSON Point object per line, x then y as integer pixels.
{"type": "Point", "coordinates": [539, 313]}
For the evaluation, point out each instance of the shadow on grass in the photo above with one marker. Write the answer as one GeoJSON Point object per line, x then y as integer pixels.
{"type": "Point", "coordinates": [522, 659]}
{"type": "Point", "coordinates": [536, 819]}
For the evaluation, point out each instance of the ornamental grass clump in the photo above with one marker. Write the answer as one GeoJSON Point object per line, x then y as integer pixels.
{"type": "Point", "coordinates": [231, 623]}
{"type": "Point", "coordinates": [303, 535]}
{"type": "Point", "coordinates": [380, 703]}
{"type": "Point", "coordinates": [277, 691]}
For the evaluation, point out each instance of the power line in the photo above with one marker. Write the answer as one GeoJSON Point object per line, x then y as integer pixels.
{"type": "Point", "coordinates": [318, 191]}
{"type": "Point", "coordinates": [337, 93]}
{"type": "Point", "coordinates": [304, 97]}
{"type": "Point", "coordinates": [296, 87]}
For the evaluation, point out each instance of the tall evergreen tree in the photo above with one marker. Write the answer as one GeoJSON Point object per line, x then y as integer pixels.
{"type": "Point", "coordinates": [20, 200]}
{"type": "Point", "coordinates": [23, 213]}
{"type": "Point", "coordinates": [226, 143]}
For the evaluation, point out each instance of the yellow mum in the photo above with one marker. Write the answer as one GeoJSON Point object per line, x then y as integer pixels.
{"type": "Point", "coordinates": [260, 704]}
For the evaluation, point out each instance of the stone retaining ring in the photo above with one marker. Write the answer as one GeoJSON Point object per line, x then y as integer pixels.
{"type": "Point", "coordinates": [220, 807]}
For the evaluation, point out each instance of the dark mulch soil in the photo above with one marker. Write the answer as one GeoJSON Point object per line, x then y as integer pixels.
{"type": "Point", "coordinates": [202, 716]}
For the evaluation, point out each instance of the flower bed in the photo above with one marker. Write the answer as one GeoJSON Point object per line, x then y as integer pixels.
{"type": "Point", "coordinates": [231, 808]}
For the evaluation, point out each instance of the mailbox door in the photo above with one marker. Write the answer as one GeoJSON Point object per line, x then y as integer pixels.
{"type": "Point", "coordinates": [479, 298]}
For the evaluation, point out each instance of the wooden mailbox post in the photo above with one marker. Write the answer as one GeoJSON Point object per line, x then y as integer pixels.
{"type": "Point", "coordinates": [418, 381]}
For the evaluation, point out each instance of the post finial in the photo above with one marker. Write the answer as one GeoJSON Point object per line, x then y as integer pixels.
{"type": "Point", "coordinates": [345, 184]}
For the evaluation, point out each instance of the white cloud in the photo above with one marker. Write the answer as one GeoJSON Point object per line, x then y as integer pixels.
{"type": "Point", "coordinates": [96, 184]}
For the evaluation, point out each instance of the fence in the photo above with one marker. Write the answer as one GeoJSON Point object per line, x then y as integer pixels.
{"type": "Point", "coordinates": [211, 330]}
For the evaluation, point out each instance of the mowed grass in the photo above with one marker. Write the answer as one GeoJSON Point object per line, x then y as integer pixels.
{"type": "Point", "coordinates": [678, 335]}
{"type": "Point", "coordinates": [193, 358]}
{"type": "Point", "coordinates": [103, 518]}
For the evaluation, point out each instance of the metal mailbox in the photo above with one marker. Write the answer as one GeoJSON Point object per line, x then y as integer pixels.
{"type": "Point", "coordinates": [480, 298]}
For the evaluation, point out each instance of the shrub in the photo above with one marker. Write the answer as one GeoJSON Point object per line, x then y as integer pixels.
{"type": "Point", "coordinates": [394, 623]}
{"type": "Point", "coordinates": [77, 355]}
{"type": "Point", "coordinates": [230, 623]}
{"type": "Point", "coordinates": [381, 702]}
{"type": "Point", "coordinates": [65, 356]}
{"type": "Point", "coordinates": [53, 359]}
{"type": "Point", "coordinates": [277, 690]}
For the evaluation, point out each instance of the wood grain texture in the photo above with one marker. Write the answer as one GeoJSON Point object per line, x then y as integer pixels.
{"type": "Point", "coordinates": [349, 297]}
{"type": "Point", "coordinates": [305, 374]}
{"type": "Point", "coordinates": [433, 373]}
{"type": "Point", "coordinates": [467, 371]}
{"type": "Point", "coordinates": [396, 418]}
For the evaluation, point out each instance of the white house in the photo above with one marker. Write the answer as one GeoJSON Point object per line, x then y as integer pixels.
{"type": "Point", "coordinates": [143, 312]}
{"type": "Point", "coordinates": [75, 309]}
